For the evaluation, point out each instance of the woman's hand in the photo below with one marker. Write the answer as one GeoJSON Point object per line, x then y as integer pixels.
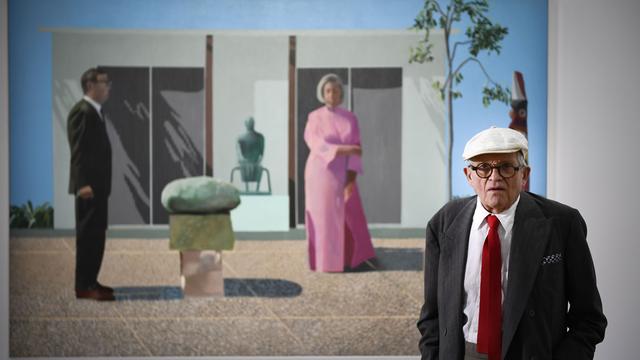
{"type": "Point", "coordinates": [348, 190]}
{"type": "Point", "coordinates": [349, 186]}
{"type": "Point", "coordinates": [350, 150]}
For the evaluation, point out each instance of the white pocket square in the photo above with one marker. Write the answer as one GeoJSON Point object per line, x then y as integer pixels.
{"type": "Point", "coordinates": [552, 259]}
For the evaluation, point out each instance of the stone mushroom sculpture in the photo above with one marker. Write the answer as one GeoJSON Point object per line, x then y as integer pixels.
{"type": "Point", "coordinates": [200, 228]}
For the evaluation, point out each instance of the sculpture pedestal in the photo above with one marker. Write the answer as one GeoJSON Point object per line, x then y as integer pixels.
{"type": "Point", "coordinates": [201, 273]}
{"type": "Point", "coordinates": [201, 239]}
{"type": "Point", "coordinates": [200, 232]}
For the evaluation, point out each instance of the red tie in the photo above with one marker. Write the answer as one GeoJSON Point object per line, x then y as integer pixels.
{"type": "Point", "coordinates": [490, 322]}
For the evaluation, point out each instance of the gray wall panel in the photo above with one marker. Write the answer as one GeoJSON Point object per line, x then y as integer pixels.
{"type": "Point", "coordinates": [178, 129]}
{"type": "Point", "coordinates": [377, 102]}
{"type": "Point", "coordinates": [127, 116]}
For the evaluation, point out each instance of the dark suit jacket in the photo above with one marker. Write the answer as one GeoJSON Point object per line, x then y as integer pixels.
{"type": "Point", "coordinates": [90, 150]}
{"type": "Point", "coordinates": [550, 268]}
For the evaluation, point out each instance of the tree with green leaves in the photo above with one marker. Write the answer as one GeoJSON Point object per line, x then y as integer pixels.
{"type": "Point", "coordinates": [482, 35]}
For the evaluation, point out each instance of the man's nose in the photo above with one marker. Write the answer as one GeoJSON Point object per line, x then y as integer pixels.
{"type": "Point", "coordinates": [495, 175]}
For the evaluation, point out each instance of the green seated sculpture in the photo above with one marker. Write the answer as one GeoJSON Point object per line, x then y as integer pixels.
{"type": "Point", "coordinates": [250, 150]}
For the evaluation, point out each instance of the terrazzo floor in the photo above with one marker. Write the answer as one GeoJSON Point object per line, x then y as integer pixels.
{"type": "Point", "coordinates": [273, 305]}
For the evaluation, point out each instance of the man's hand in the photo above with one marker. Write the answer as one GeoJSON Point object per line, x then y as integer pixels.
{"type": "Point", "coordinates": [86, 192]}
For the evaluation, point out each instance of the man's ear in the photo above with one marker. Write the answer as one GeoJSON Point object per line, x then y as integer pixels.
{"type": "Point", "coordinates": [467, 173]}
{"type": "Point", "coordinates": [526, 172]}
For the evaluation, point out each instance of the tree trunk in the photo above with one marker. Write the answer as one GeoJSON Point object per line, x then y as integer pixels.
{"type": "Point", "coordinates": [449, 92]}
{"type": "Point", "coordinates": [449, 160]}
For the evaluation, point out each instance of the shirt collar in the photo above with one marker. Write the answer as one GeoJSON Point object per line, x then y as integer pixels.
{"type": "Point", "coordinates": [93, 103]}
{"type": "Point", "coordinates": [506, 217]}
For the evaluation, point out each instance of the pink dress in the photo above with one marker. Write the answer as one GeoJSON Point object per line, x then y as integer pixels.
{"type": "Point", "coordinates": [337, 231]}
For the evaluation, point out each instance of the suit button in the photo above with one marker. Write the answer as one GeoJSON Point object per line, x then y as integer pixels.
{"type": "Point", "coordinates": [532, 313]}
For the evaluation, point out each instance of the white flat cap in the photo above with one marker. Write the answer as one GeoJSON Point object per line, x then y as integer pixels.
{"type": "Point", "coordinates": [495, 140]}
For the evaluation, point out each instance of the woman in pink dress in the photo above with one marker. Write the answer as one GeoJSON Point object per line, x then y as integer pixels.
{"type": "Point", "coordinates": [336, 226]}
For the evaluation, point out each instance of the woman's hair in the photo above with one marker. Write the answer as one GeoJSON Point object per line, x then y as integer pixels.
{"type": "Point", "coordinates": [329, 78]}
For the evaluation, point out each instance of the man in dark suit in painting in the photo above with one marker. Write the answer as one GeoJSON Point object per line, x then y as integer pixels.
{"type": "Point", "coordinates": [90, 182]}
{"type": "Point", "coordinates": [508, 274]}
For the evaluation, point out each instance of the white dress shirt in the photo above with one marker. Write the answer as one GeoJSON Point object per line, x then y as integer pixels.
{"type": "Point", "coordinates": [95, 104]}
{"type": "Point", "coordinates": [477, 236]}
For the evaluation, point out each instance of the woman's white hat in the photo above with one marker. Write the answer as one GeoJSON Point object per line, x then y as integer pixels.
{"type": "Point", "coordinates": [321, 83]}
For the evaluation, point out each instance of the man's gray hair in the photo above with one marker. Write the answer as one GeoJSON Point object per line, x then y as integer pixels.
{"type": "Point", "coordinates": [522, 161]}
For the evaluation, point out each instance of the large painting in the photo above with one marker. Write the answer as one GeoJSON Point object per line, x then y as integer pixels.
{"type": "Point", "coordinates": [181, 104]}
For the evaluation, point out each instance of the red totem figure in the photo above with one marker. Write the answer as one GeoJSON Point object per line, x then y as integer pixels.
{"type": "Point", "coordinates": [518, 112]}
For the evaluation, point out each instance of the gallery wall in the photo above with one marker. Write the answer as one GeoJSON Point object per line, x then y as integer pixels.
{"type": "Point", "coordinates": [593, 148]}
{"type": "Point", "coordinates": [4, 182]}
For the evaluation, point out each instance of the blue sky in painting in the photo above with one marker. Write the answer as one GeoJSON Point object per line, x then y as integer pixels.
{"type": "Point", "coordinates": [31, 163]}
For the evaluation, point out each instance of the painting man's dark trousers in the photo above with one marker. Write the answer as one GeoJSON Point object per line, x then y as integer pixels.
{"type": "Point", "coordinates": [91, 228]}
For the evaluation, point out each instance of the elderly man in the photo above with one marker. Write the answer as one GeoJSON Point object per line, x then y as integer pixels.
{"type": "Point", "coordinates": [508, 274]}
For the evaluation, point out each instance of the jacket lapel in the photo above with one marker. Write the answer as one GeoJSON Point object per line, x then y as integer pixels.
{"type": "Point", "coordinates": [95, 112]}
{"type": "Point", "coordinates": [530, 237]}
{"type": "Point", "coordinates": [454, 252]}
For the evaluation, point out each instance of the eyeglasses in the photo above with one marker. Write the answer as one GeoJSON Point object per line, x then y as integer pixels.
{"type": "Point", "coordinates": [485, 170]}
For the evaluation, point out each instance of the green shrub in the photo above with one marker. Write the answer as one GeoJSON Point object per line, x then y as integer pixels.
{"type": "Point", "coordinates": [26, 216]}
